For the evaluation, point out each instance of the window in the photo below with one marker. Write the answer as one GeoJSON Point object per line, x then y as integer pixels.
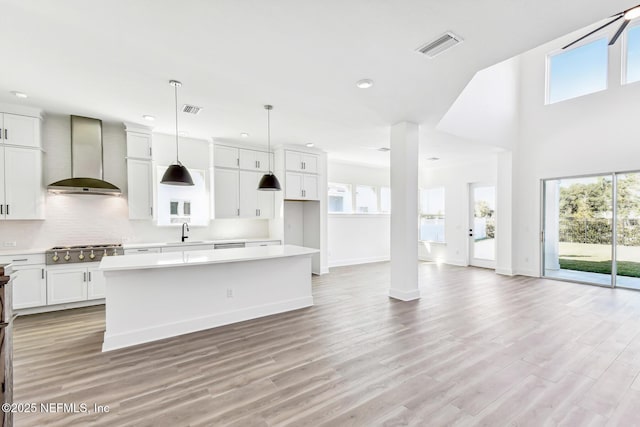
{"type": "Point", "coordinates": [632, 42]}
{"type": "Point", "coordinates": [340, 198]}
{"type": "Point", "coordinates": [366, 199]}
{"type": "Point", "coordinates": [180, 204]}
{"type": "Point", "coordinates": [578, 71]}
{"type": "Point", "coordinates": [432, 215]}
{"type": "Point", "coordinates": [385, 200]}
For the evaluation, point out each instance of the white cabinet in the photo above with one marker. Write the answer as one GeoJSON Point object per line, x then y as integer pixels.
{"type": "Point", "coordinates": [300, 186]}
{"type": "Point", "coordinates": [226, 192]}
{"type": "Point", "coordinates": [140, 192]}
{"type": "Point", "coordinates": [139, 145]}
{"type": "Point", "coordinates": [225, 157]}
{"type": "Point", "coordinates": [66, 285]}
{"type": "Point", "coordinates": [265, 243]}
{"type": "Point", "coordinates": [188, 247]}
{"type": "Point", "coordinates": [96, 284]}
{"type": "Point", "coordinates": [301, 162]}
{"type": "Point", "coordinates": [21, 190]}
{"type": "Point", "coordinates": [254, 203]}
{"type": "Point", "coordinates": [142, 251]}
{"type": "Point", "coordinates": [254, 160]}
{"type": "Point", "coordinates": [23, 131]}
{"type": "Point", "coordinates": [74, 283]}
{"type": "Point", "coordinates": [29, 287]}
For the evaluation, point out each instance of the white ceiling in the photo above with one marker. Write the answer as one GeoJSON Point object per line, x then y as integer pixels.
{"type": "Point", "coordinates": [113, 59]}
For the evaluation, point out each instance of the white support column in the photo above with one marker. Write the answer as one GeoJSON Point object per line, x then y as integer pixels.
{"type": "Point", "coordinates": [504, 217]}
{"type": "Point", "coordinates": [404, 212]}
{"type": "Point", "coordinates": [552, 225]}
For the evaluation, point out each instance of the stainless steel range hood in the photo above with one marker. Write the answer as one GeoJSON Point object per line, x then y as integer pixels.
{"type": "Point", "coordinates": [86, 161]}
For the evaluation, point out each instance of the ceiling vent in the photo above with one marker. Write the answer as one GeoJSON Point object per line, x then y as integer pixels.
{"type": "Point", "coordinates": [442, 43]}
{"type": "Point", "coordinates": [191, 109]}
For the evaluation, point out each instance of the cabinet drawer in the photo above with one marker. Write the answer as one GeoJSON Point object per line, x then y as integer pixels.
{"type": "Point", "coordinates": [265, 243]}
{"type": "Point", "coordinates": [142, 251]}
{"type": "Point", "coordinates": [19, 259]}
{"type": "Point", "coordinates": [186, 248]}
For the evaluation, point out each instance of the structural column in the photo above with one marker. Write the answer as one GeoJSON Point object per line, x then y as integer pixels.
{"type": "Point", "coordinates": [404, 212]}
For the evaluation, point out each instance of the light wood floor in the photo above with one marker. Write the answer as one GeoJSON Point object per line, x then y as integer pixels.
{"type": "Point", "coordinates": [477, 349]}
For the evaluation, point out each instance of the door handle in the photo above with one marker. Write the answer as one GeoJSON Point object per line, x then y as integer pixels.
{"type": "Point", "coordinates": [471, 232]}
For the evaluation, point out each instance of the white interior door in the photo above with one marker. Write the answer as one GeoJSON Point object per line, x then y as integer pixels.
{"type": "Point", "coordinates": [482, 225]}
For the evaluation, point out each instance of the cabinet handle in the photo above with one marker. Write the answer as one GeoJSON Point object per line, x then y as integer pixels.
{"type": "Point", "coordinates": [238, 211]}
{"type": "Point", "coordinates": [1, 206]}
{"type": "Point", "coordinates": [259, 213]}
{"type": "Point", "coordinates": [6, 134]}
{"type": "Point", "coordinates": [89, 276]}
{"type": "Point", "coordinates": [84, 277]}
{"type": "Point", "coordinates": [7, 209]}
{"type": "Point", "coordinates": [238, 161]}
{"type": "Point", "coordinates": [0, 133]}
{"type": "Point", "coordinates": [43, 273]}
{"type": "Point", "coordinates": [258, 164]}
{"type": "Point", "coordinates": [19, 260]}
{"type": "Point", "coordinates": [149, 151]}
{"type": "Point", "coordinates": [151, 210]}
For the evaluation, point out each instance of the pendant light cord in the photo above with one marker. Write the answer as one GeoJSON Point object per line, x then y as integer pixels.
{"type": "Point", "coordinates": [177, 142]}
{"type": "Point", "coordinates": [269, 136]}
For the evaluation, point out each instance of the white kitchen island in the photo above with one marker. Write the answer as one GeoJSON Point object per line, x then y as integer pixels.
{"type": "Point", "coordinates": [160, 295]}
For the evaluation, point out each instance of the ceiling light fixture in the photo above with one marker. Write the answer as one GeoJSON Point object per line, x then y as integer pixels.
{"type": "Point", "coordinates": [269, 182]}
{"type": "Point", "coordinates": [148, 118]}
{"type": "Point", "coordinates": [244, 135]}
{"type": "Point", "coordinates": [364, 83]}
{"type": "Point", "coordinates": [632, 13]}
{"type": "Point", "coordinates": [309, 144]}
{"type": "Point", "coordinates": [19, 94]}
{"type": "Point", "coordinates": [176, 174]}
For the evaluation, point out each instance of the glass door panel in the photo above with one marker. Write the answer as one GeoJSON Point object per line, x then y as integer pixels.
{"type": "Point", "coordinates": [628, 230]}
{"type": "Point", "coordinates": [578, 229]}
{"type": "Point", "coordinates": [482, 229]}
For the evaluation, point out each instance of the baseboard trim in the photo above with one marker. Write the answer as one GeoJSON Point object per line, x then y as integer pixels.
{"type": "Point", "coordinates": [505, 271]}
{"type": "Point", "coordinates": [168, 330]}
{"type": "Point", "coordinates": [404, 295]}
{"type": "Point", "coordinates": [530, 273]}
{"type": "Point", "coordinates": [356, 261]}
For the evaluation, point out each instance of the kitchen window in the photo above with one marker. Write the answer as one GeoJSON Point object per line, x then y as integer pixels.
{"type": "Point", "coordinates": [180, 204]}
{"type": "Point", "coordinates": [366, 199]}
{"type": "Point", "coordinates": [432, 215]}
{"type": "Point", "coordinates": [340, 198]}
{"type": "Point", "coordinates": [632, 54]}
{"type": "Point", "coordinates": [578, 71]}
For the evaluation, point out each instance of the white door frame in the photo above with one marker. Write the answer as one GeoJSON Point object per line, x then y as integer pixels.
{"type": "Point", "coordinates": [477, 262]}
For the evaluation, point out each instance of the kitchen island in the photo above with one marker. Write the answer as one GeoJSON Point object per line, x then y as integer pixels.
{"type": "Point", "coordinates": [155, 296]}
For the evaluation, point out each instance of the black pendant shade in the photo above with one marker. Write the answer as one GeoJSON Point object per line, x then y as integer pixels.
{"type": "Point", "coordinates": [269, 182]}
{"type": "Point", "coordinates": [177, 175]}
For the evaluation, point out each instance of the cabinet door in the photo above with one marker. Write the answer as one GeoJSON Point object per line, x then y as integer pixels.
{"type": "Point", "coordinates": [140, 193]}
{"type": "Point", "coordinates": [310, 187]}
{"type": "Point", "coordinates": [29, 287]}
{"type": "Point", "coordinates": [139, 145]}
{"type": "Point", "coordinates": [23, 183]}
{"type": "Point", "coordinates": [247, 159]}
{"type": "Point", "coordinates": [249, 194]}
{"type": "Point", "coordinates": [293, 161]}
{"type": "Point", "coordinates": [266, 204]}
{"type": "Point", "coordinates": [21, 130]}
{"type": "Point", "coordinates": [66, 285]}
{"type": "Point", "coordinates": [310, 163]}
{"type": "Point", "coordinates": [225, 157]}
{"type": "Point", "coordinates": [226, 185]}
{"type": "Point", "coordinates": [2, 184]}
{"type": "Point", "coordinates": [293, 186]}
{"type": "Point", "coordinates": [262, 158]}
{"type": "Point", "coordinates": [96, 288]}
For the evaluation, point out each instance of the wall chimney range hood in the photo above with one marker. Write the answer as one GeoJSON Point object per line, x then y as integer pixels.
{"type": "Point", "coordinates": [86, 161]}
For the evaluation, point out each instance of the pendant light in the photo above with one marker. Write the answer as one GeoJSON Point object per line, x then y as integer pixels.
{"type": "Point", "coordinates": [176, 174]}
{"type": "Point", "coordinates": [269, 182]}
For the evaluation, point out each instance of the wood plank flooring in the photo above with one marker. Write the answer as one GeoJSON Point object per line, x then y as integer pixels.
{"type": "Point", "coordinates": [477, 349]}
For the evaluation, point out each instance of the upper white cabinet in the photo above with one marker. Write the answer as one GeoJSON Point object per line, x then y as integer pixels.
{"type": "Point", "coordinates": [254, 203]}
{"type": "Point", "coordinates": [254, 160]}
{"type": "Point", "coordinates": [226, 157]}
{"type": "Point", "coordinates": [226, 191]}
{"type": "Point", "coordinates": [301, 162]}
{"type": "Point", "coordinates": [23, 131]}
{"type": "Point", "coordinates": [300, 186]}
{"type": "Point", "coordinates": [139, 145]}
{"type": "Point", "coordinates": [139, 172]}
{"type": "Point", "coordinates": [140, 193]}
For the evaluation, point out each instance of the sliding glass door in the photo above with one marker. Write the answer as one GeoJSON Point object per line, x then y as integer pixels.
{"type": "Point", "coordinates": [591, 230]}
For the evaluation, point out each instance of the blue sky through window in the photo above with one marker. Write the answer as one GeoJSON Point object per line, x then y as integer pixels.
{"type": "Point", "coordinates": [633, 54]}
{"type": "Point", "coordinates": [578, 71]}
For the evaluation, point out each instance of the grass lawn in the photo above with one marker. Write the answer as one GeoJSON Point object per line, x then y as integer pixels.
{"type": "Point", "coordinates": [597, 258]}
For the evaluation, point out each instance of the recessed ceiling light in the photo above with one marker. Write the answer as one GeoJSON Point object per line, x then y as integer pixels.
{"type": "Point", "coordinates": [183, 133]}
{"type": "Point", "coordinates": [309, 144]}
{"type": "Point", "coordinates": [19, 94]}
{"type": "Point", "coordinates": [244, 135]}
{"type": "Point", "coordinates": [364, 83]}
{"type": "Point", "coordinates": [433, 159]}
{"type": "Point", "coordinates": [148, 118]}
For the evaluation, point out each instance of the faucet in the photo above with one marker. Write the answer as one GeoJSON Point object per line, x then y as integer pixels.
{"type": "Point", "coordinates": [184, 236]}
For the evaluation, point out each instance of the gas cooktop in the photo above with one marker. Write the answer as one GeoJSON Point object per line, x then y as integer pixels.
{"type": "Point", "coordinates": [82, 253]}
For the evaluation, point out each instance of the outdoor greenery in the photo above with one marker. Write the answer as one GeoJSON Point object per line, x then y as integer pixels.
{"type": "Point", "coordinates": [625, 268]}
{"type": "Point", "coordinates": [482, 210]}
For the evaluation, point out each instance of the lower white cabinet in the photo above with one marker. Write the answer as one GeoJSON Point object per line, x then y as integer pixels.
{"type": "Point", "coordinates": [300, 186]}
{"type": "Point", "coordinates": [142, 251]}
{"type": "Point", "coordinates": [187, 247]}
{"type": "Point", "coordinates": [73, 284]}
{"type": "Point", "coordinates": [30, 287]}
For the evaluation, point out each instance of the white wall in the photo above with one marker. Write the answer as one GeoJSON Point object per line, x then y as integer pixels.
{"type": "Point", "coordinates": [79, 219]}
{"type": "Point", "coordinates": [456, 179]}
{"type": "Point", "coordinates": [595, 133]}
{"type": "Point", "coordinates": [358, 238]}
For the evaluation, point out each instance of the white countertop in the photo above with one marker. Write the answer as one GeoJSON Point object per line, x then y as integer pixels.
{"type": "Point", "coordinates": [194, 243]}
{"type": "Point", "coordinates": [182, 259]}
